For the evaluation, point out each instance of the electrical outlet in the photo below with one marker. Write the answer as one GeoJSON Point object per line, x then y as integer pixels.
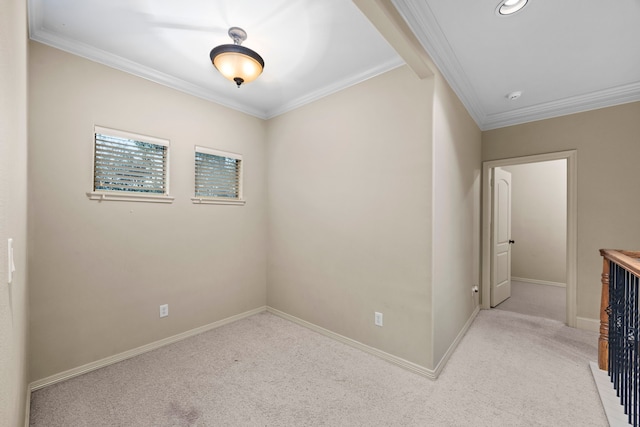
{"type": "Point", "coordinates": [164, 310]}
{"type": "Point", "coordinates": [377, 318]}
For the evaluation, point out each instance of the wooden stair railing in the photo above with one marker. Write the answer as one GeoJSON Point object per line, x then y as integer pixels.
{"type": "Point", "coordinates": [619, 342]}
{"type": "Point", "coordinates": [630, 261]}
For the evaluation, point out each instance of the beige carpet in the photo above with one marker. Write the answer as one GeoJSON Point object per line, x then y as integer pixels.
{"type": "Point", "coordinates": [545, 301]}
{"type": "Point", "coordinates": [509, 370]}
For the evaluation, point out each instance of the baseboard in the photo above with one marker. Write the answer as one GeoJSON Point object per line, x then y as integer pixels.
{"type": "Point", "coordinates": [410, 366]}
{"type": "Point", "coordinates": [610, 402]}
{"type": "Point", "coordinates": [588, 324]}
{"type": "Point", "coordinates": [454, 344]}
{"type": "Point", "coordinates": [27, 407]}
{"type": "Point", "coordinates": [405, 364]}
{"type": "Point", "coordinates": [539, 282]}
{"type": "Point", "coordinates": [62, 376]}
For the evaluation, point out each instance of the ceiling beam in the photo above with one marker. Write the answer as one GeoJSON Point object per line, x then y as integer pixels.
{"type": "Point", "coordinates": [384, 16]}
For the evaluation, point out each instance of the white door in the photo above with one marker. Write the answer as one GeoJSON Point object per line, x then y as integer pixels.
{"type": "Point", "coordinates": [501, 242]}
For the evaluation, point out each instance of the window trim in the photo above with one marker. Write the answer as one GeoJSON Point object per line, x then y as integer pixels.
{"type": "Point", "coordinates": [220, 200]}
{"type": "Point", "coordinates": [103, 195]}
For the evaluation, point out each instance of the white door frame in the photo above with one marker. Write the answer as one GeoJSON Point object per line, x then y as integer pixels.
{"type": "Point", "coordinates": [572, 223]}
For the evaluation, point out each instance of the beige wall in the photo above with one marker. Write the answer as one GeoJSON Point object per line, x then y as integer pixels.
{"type": "Point", "coordinates": [456, 217]}
{"type": "Point", "coordinates": [539, 221]}
{"type": "Point", "coordinates": [608, 151]}
{"type": "Point", "coordinates": [349, 183]}
{"type": "Point", "coordinates": [13, 206]}
{"type": "Point", "coordinates": [343, 188]}
{"type": "Point", "coordinates": [99, 270]}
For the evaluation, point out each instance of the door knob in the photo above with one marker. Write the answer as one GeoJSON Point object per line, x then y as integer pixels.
{"type": "Point", "coordinates": [511, 242]}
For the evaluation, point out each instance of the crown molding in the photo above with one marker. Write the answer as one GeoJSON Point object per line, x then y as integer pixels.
{"type": "Point", "coordinates": [562, 107]}
{"type": "Point", "coordinates": [75, 47]}
{"type": "Point", "coordinates": [97, 55]}
{"type": "Point", "coordinates": [114, 61]}
{"type": "Point", "coordinates": [38, 33]}
{"type": "Point", "coordinates": [336, 87]}
{"type": "Point", "coordinates": [425, 26]}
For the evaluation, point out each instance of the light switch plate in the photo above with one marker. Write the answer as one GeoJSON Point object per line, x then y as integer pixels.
{"type": "Point", "coordinates": [377, 319]}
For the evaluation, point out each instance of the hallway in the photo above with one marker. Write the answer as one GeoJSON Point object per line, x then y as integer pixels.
{"type": "Point", "coordinates": [545, 301]}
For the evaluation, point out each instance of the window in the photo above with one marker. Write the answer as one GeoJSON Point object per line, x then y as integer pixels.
{"type": "Point", "coordinates": [218, 177]}
{"type": "Point", "coordinates": [129, 167]}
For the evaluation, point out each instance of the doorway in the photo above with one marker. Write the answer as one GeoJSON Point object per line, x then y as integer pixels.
{"type": "Point", "coordinates": [537, 215]}
{"type": "Point", "coordinates": [570, 252]}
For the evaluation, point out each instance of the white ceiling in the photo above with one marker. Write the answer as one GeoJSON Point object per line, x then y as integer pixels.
{"type": "Point", "coordinates": [311, 48]}
{"type": "Point", "coordinates": [565, 56]}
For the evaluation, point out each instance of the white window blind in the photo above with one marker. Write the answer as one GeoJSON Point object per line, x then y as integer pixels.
{"type": "Point", "coordinates": [129, 163]}
{"type": "Point", "coordinates": [218, 175]}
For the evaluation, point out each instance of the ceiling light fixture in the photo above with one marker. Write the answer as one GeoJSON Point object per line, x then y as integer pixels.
{"type": "Point", "coordinates": [509, 7]}
{"type": "Point", "coordinates": [237, 63]}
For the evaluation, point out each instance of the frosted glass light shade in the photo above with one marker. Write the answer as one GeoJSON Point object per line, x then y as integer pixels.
{"type": "Point", "coordinates": [237, 63]}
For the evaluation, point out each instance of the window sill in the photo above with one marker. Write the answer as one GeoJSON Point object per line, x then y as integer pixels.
{"type": "Point", "coordinates": [123, 197]}
{"type": "Point", "coordinates": [206, 201]}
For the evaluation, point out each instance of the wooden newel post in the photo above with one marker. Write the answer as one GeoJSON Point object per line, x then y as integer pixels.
{"type": "Point", "coordinates": [603, 340]}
